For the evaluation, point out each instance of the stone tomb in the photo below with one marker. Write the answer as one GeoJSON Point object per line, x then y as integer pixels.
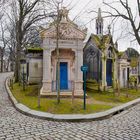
{"type": "Point", "coordinates": [70, 46]}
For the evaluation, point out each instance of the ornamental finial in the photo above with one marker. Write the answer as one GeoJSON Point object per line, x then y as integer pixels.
{"type": "Point", "coordinates": [64, 14]}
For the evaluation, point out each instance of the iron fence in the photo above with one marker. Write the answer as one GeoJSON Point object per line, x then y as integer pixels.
{"type": "Point", "coordinates": [70, 86]}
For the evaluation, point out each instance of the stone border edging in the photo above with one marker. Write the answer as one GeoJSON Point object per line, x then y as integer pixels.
{"type": "Point", "coordinates": [68, 117]}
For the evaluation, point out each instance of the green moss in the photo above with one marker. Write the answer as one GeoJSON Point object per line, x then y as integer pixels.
{"type": "Point", "coordinates": [92, 85]}
{"type": "Point", "coordinates": [120, 54]}
{"type": "Point", "coordinates": [34, 49]}
{"type": "Point", "coordinates": [132, 79]}
{"type": "Point", "coordinates": [134, 62]}
{"type": "Point", "coordinates": [101, 41]}
{"type": "Point", "coordinates": [91, 81]}
{"type": "Point", "coordinates": [96, 39]}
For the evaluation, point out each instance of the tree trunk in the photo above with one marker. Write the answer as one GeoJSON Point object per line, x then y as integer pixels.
{"type": "Point", "coordinates": [2, 60]}
{"type": "Point", "coordinates": [1, 63]}
{"type": "Point", "coordinates": [17, 66]}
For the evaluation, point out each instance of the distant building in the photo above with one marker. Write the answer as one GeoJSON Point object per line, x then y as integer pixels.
{"type": "Point", "coordinates": [129, 68]}
{"type": "Point", "coordinates": [123, 69]}
{"type": "Point", "coordinates": [34, 67]}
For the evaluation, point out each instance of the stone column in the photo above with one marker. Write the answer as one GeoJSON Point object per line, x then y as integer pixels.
{"type": "Point", "coordinates": [46, 88]}
{"type": "Point", "coordinates": [78, 73]}
{"type": "Point", "coordinates": [103, 72]}
{"type": "Point", "coordinates": [115, 73]}
{"type": "Point", "coordinates": [120, 76]}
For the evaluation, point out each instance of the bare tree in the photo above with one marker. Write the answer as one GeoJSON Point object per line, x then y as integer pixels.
{"type": "Point", "coordinates": [2, 34]}
{"type": "Point", "coordinates": [3, 43]}
{"type": "Point", "coordinates": [56, 15]}
{"type": "Point", "coordinates": [2, 5]}
{"type": "Point", "coordinates": [24, 14]}
{"type": "Point", "coordinates": [11, 44]}
{"type": "Point", "coordinates": [127, 14]}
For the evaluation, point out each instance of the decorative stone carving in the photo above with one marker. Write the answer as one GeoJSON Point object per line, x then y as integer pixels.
{"type": "Point", "coordinates": [64, 14]}
{"type": "Point", "coordinates": [67, 29]}
{"type": "Point", "coordinates": [70, 52]}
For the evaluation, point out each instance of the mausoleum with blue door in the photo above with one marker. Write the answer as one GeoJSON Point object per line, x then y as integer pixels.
{"type": "Point", "coordinates": [101, 56]}
{"type": "Point", "coordinates": [71, 45]}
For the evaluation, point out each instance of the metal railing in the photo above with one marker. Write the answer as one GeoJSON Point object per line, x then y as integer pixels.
{"type": "Point", "coordinates": [69, 86]}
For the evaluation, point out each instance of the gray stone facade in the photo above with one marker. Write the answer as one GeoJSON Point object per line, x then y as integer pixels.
{"type": "Point", "coordinates": [34, 67]}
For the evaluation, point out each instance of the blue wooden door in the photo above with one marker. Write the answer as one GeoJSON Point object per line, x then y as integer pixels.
{"type": "Point", "coordinates": [109, 72]}
{"type": "Point", "coordinates": [63, 75]}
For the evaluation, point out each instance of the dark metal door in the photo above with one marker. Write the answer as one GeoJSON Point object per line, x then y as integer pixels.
{"type": "Point", "coordinates": [109, 72]}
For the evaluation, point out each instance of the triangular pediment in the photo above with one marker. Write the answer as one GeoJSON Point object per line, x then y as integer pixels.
{"type": "Point", "coordinates": [66, 31]}
{"type": "Point", "coordinates": [124, 56]}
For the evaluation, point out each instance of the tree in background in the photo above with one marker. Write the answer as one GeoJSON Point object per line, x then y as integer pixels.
{"type": "Point", "coordinates": [23, 16]}
{"type": "Point", "coordinates": [3, 40]}
{"type": "Point", "coordinates": [3, 44]}
{"type": "Point", "coordinates": [125, 9]}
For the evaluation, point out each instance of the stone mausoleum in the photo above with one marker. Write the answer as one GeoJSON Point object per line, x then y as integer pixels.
{"type": "Point", "coordinates": [106, 65]}
{"type": "Point", "coordinates": [70, 46]}
{"type": "Point", "coordinates": [101, 56]}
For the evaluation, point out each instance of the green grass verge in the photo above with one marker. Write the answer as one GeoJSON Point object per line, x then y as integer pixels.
{"type": "Point", "coordinates": [96, 102]}
{"type": "Point", "coordinates": [125, 96]}
{"type": "Point", "coordinates": [30, 99]}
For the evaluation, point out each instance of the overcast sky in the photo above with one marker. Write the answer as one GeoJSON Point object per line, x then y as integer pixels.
{"type": "Point", "coordinates": [81, 10]}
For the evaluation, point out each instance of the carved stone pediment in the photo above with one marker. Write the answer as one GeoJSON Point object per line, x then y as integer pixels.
{"type": "Point", "coordinates": [67, 28]}
{"type": "Point", "coordinates": [66, 31]}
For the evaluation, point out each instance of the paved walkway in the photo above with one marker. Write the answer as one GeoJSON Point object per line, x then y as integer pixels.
{"type": "Point", "coordinates": [15, 126]}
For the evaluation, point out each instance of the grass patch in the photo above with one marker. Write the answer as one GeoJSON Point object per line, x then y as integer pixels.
{"type": "Point", "coordinates": [29, 98]}
{"type": "Point", "coordinates": [96, 102]}
{"type": "Point", "coordinates": [111, 97]}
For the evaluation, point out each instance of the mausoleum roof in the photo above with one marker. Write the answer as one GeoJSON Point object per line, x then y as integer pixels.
{"type": "Point", "coordinates": [67, 28]}
{"type": "Point", "coordinates": [101, 42]}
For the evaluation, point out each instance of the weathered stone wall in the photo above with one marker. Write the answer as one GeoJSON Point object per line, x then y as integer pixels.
{"type": "Point", "coordinates": [35, 70]}
{"type": "Point", "coordinates": [122, 72]}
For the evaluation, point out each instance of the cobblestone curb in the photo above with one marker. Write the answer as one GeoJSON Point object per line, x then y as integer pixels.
{"type": "Point", "coordinates": [69, 117]}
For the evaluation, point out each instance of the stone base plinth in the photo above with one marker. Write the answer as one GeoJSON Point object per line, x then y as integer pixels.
{"type": "Point", "coordinates": [62, 94]}
{"type": "Point", "coordinates": [103, 87]}
{"type": "Point", "coordinates": [46, 90]}
{"type": "Point", "coordinates": [78, 87]}
{"type": "Point", "coordinates": [46, 87]}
